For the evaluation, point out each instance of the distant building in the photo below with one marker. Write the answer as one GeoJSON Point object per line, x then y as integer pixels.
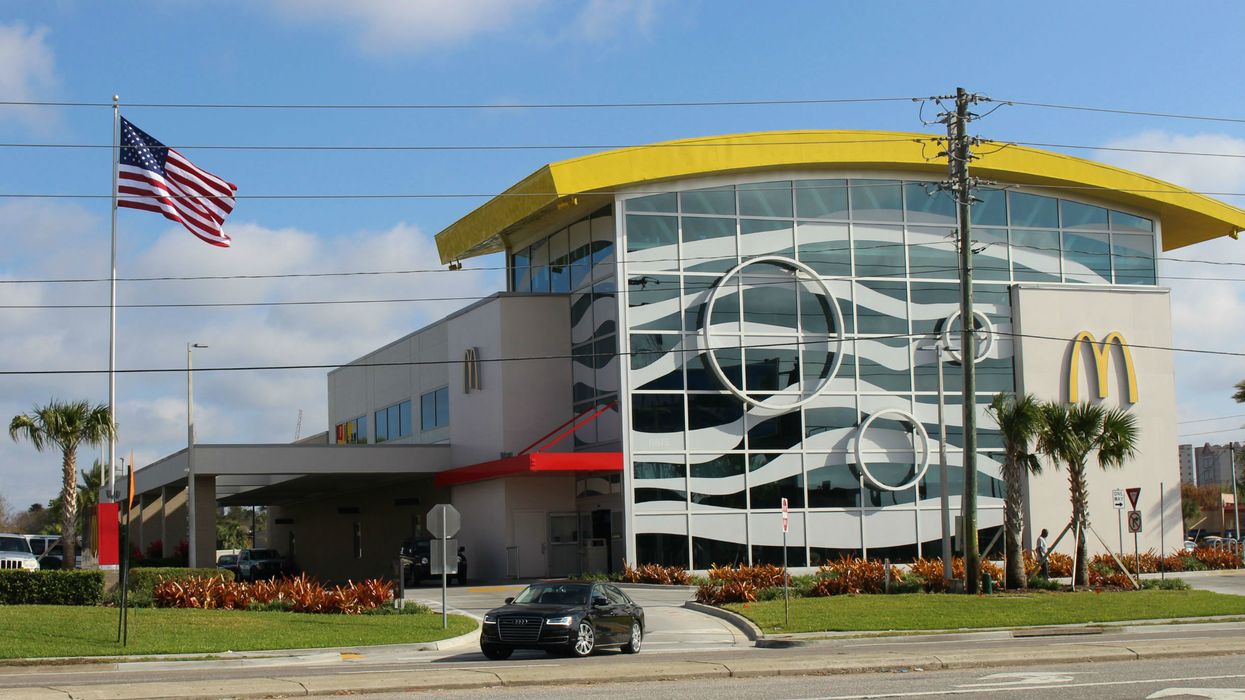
{"type": "Point", "coordinates": [1188, 467]}
{"type": "Point", "coordinates": [1214, 465]}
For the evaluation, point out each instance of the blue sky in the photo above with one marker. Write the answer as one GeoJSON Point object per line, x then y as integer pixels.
{"type": "Point", "coordinates": [1153, 56]}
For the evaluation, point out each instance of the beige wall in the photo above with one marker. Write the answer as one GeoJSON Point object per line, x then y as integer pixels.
{"type": "Point", "coordinates": [1047, 319]}
{"type": "Point", "coordinates": [482, 505]}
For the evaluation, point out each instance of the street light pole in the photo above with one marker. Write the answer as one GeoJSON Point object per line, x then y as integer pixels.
{"type": "Point", "coordinates": [192, 554]}
{"type": "Point", "coordinates": [1236, 505]}
{"type": "Point", "coordinates": [944, 496]}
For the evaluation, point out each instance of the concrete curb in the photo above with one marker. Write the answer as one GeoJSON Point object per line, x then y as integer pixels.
{"type": "Point", "coordinates": [657, 670]}
{"type": "Point", "coordinates": [743, 624]}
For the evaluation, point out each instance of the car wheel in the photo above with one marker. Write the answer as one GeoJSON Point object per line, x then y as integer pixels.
{"type": "Point", "coordinates": [585, 642]}
{"type": "Point", "coordinates": [496, 653]}
{"type": "Point", "coordinates": [637, 638]}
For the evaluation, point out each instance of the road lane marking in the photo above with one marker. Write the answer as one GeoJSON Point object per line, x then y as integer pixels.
{"type": "Point", "coordinates": [977, 691]}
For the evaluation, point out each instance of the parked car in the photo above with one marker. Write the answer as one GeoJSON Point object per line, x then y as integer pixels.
{"type": "Point", "coordinates": [40, 544]}
{"type": "Point", "coordinates": [15, 553]}
{"type": "Point", "coordinates": [54, 558]}
{"type": "Point", "coordinates": [416, 556]}
{"type": "Point", "coordinates": [1195, 535]}
{"type": "Point", "coordinates": [229, 562]}
{"type": "Point", "coordinates": [574, 618]}
{"type": "Point", "coordinates": [257, 564]}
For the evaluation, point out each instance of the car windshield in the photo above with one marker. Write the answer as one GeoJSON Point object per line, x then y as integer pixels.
{"type": "Point", "coordinates": [14, 544]}
{"type": "Point", "coordinates": [264, 554]}
{"type": "Point", "coordinates": [227, 559]}
{"type": "Point", "coordinates": [554, 594]}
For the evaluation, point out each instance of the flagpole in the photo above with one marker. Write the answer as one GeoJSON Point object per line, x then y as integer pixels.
{"type": "Point", "coordinates": [112, 305]}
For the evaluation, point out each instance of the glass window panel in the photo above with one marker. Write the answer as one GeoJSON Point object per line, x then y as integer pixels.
{"type": "Point", "coordinates": [1087, 258]}
{"type": "Point", "coordinates": [602, 245]}
{"type": "Point", "coordinates": [932, 253]}
{"type": "Point", "coordinates": [520, 272]}
{"type": "Point", "coordinates": [1133, 255]}
{"type": "Point", "coordinates": [879, 250]}
{"type": "Point", "coordinates": [427, 411]}
{"type": "Point", "coordinates": [393, 419]}
{"type": "Point", "coordinates": [991, 207]}
{"type": "Point", "coordinates": [559, 263]}
{"type": "Point", "coordinates": [822, 419]}
{"type": "Point", "coordinates": [771, 479]}
{"type": "Point", "coordinates": [647, 349]}
{"type": "Point", "coordinates": [404, 418]}
{"type": "Point", "coordinates": [781, 432]}
{"type": "Point", "coordinates": [700, 375]}
{"type": "Point", "coordinates": [876, 200]}
{"type": "Point", "coordinates": [1033, 210]}
{"type": "Point", "coordinates": [929, 205]}
{"type": "Point", "coordinates": [361, 431]}
{"type": "Point", "coordinates": [1035, 256]}
{"type": "Point", "coordinates": [648, 232]}
{"type": "Point", "coordinates": [708, 244]}
{"type": "Point", "coordinates": [657, 413]}
{"type": "Point", "coordinates": [660, 482]}
{"type": "Point", "coordinates": [769, 299]}
{"type": "Point", "coordinates": [443, 406]}
{"type": "Point", "coordinates": [991, 263]}
{"type": "Point", "coordinates": [824, 247]}
{"type": "Point", "coordinates": [726, 310]}
{"type": "Point", "coordinates": [932, 303]}
{"type": "Point", "coordinates": [653, 302]}
{"type": "Point", "coordinates": [771, 363]}
{"type": "Point", "coordinates": [817, 359]}
{"type": "Point", "coordinates": [661, 548]}
{"type": "Point", "coordinates": [540, 267]}
{"type": "Point", "coordinates": [766, 237]}
{"type": "Point", "coordinates": [1127, 222]}
{"type": "Point", "coordinates": [382, 425]}
{"type": "Point", "coordinates": [713, 411]}
{"type": "Point", "coordinates": [1082, 216]}
{"type": "Point", "coordinates": [821, 199]}
{"type": "Point", "coordinates": [713, 200]}
{"type": "Point", "coordinates": [765, 199]}
{"type": "Point", "coordinates": [832, 483]}
{"type": "Point", "coordinates": [665, 203]}
{"type": "Point", "coordinates": [580, 253]}
{"type": "Point", "coordinates": [882, 307]}
{"type": "Point", "coordinates": [884, 364]}
{"type": "Point", "coordinates": [718, 482]}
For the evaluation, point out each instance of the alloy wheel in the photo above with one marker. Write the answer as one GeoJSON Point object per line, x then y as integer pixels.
{"type": "Point", "coordinates": [586, 640]}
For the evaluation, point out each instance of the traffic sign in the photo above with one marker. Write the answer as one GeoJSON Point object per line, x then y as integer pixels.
{"type": "Point", "coordinates": [1134, 493]}
{"type": "Point", "coordinates": [443, 521]}
{"type": "Point", "coordinates": [1134, 521]}
{"type": "Point", "coordinates": [438, 557]}
{"type": "Point", "coordinates": [784, 516]}
{"type": "Point", "coordinates": [1117, 496]}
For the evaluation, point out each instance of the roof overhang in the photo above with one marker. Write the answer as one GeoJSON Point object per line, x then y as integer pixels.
{"type": "Point", "coordinates": [583, 184]}
{"type": "Point", "coordinates": [533, 463]}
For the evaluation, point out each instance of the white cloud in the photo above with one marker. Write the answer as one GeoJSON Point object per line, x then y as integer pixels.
{"type": "Point", "coordinates": [230, 407]}
{"type": "Point", "coordinates": [602, 19]}
{"type": "Point", "coordinates": [1205, 311]}
{"type": "Point", "coordinates": [410, 25]}
{"type": "Point", "coordinates": [27, 72]}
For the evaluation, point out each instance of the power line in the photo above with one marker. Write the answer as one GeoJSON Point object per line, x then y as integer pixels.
{"type": "Point", "coordinates": [1204, 420]}
{"type": "Point", "coordinates": [1209, 432]}
{"type": "Point", "coordinates": [1112, 110]}
{"type": "Point", "coordinates": [463, 106]}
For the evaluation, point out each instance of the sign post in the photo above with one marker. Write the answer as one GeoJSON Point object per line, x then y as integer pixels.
{"type": "Point", "coordinates": [786, 594]}
{"type": "Point", "coordinates": [443, 522]}
{"type": "Point", "coordinates": [1117, 497]}
{"type": "Point", "coordinates": [1134, 524]}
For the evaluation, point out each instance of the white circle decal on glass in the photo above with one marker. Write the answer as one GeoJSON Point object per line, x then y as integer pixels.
{"type": "Point", "coordinates": [953, 348]}
{"type": "Point", "coordinates": [917, 428]}
{"type": "Point", "coordinates": [835, 318]}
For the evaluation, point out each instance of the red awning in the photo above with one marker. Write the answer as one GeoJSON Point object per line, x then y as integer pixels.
{"type": "Point", "coordinates": [533, 463]}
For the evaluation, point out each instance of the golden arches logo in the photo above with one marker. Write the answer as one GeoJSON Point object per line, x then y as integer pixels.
{"type": "Point", "coordinates": [1102, 359]}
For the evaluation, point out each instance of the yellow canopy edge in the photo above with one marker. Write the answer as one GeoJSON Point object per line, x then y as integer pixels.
{"type": "Point", "coordinates": [1187, 217]}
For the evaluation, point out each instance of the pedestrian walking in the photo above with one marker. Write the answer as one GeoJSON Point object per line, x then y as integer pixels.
{"type": "Point", "coordinates": [1043, 553]}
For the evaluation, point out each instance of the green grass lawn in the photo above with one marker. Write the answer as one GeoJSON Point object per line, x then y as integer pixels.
{"type": "Point", "coordinates": [63, 630]}
{"type": "Point", "coordinates": [929, 611]}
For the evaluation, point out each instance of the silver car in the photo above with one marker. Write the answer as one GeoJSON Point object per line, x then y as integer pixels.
{"type": "Point", "coordinates": [15, 553]}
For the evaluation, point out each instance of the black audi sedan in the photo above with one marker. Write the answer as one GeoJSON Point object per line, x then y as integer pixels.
{"type": "Point", "coordinates": [574, 618]}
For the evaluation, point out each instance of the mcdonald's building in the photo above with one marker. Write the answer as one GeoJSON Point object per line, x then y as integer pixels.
{"type": "Point", "coordinates": [694, 333]}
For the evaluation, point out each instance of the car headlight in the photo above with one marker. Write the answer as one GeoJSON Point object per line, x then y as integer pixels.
{"type": "Point", "coordinates": [490, 619]}
{"type": "Point", "coordinates": [423, 560]}
{"type": "Point", "coordinates": [30, 564]}
{"type": "Point", "coordinates": [564, 621]}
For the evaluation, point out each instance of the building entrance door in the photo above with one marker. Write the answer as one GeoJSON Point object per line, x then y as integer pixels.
{"type": "Point", "coordinates": [530, 540]}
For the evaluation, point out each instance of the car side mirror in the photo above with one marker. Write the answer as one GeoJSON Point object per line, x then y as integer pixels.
{"type": "Point", "coordinates": [509, 601]}
{"type": "Point", "coordinates": [600, 601]}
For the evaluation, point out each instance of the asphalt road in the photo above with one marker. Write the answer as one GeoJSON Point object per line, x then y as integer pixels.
{"type": "Point", "coordinates": [1219, 678]}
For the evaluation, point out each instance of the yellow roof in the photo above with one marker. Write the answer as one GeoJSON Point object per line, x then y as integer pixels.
{"type": "Point", "coordinates": [588, 181]}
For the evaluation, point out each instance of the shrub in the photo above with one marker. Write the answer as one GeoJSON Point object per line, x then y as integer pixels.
{"type": "Point", "coordinates": [656, 573]}
{"type": "Point", "coordinates": [51, 587]}
{"type": "Point", "coordinates": [297, 594]}
{"type": "Point", "coordinates": [143, 579]}
{"type": "Point", "coordinates": [851, 575]}
{"type": "Point", "coordinates": [1166, 584]}
{"type": "Point", "coordinates": [1217, 558]}
{"type": "Point", "coordinates": [1043, 584]}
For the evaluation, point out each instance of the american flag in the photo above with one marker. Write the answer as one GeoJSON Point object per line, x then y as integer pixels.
{"type": "Point", "coordinates": [154, 177]}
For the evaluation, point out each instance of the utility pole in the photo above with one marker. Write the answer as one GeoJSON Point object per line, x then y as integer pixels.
{"type": "Point", "coordinates": [960, 186]}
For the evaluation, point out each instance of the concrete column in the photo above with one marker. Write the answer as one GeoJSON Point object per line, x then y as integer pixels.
{"type": "Point", "coordinates": [150, 519]}
{"type": "Point", "coordinates": [173, 502]}
{"type": "Point", "coordinates": [205, 528]}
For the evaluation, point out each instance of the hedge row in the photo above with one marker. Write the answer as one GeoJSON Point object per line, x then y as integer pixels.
{"type": "Point", "coordinates": [51, 587]}
{"type": "Point", "coordinates": [144, 579]}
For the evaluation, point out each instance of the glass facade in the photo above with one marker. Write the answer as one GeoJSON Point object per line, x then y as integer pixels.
{"type": "Point", "coordinates": [434, 409]}
{"type": "Point", "coordinates": [768, 321]}
{"type": "Point", "coordinates": [393, 422]}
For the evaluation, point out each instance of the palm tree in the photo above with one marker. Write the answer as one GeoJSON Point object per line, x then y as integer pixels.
{"type": "Point", "coordinates": [65, 425]}
{"type": "Point", "coordinates": [1239, 394]}
{"type": "Point", "coordinates": [1020, 421]}
{"type": "Point", "coordinates": [1073, 432]}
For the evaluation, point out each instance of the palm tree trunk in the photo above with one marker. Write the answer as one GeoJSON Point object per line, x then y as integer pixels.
{"type": "Point", "coordinates": [1080, 518]}
{"type": "Point", "coordinates": [1013, 523]}
{"type": "Point", "coordinates": [69, 510]}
